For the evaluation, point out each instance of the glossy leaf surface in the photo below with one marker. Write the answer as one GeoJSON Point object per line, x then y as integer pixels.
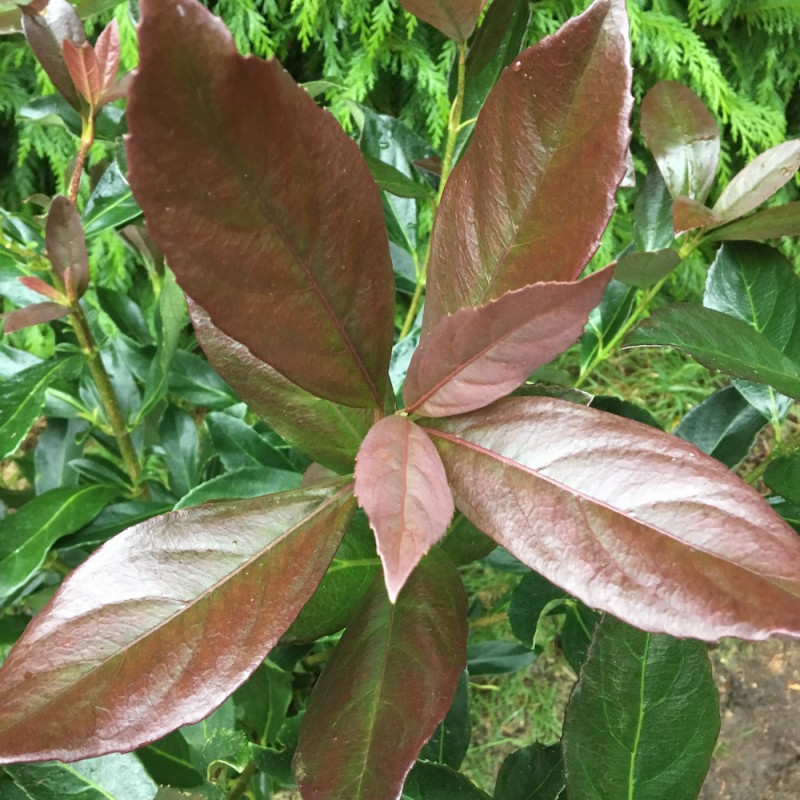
{"type": "Point", "coordinates": [179, 610]}
{"type": "Point", "coordinates": [656, 532]}
{"type": "Point", "coordinates": [454, 18]}
{"type": "Point", "coordinates": [27, 535]}
{"type": "Point", "coordinates": [428, 781]}
{"type": "Point", "coordinates": [401, 485]}
{"type": "Point", "coordinates": [759, 180]}
{"type": "Point", "coordinates": [66, 246]}
{"type": "Point", "coordinates": [387, 686]}
{"type": "Point", "coordinates": [646, 269]}
{"type": "Point", "coordinates": [477, 355]}
{"type": "Point", "coordinates": [783, 477]}
{"type": "Point", "coordinates": [724, 425]}
{"type": "Point", "coordinates": [689, 214]}
{"type": "Point", "coordinates": [111, 204]}
{"type": "Point", "coordinates": [311, 293]}
{"type": "Point", "coordinates": [683, 137]}
{"type": "Point", "coordinates": [647, 709]}
{"type": "Point", "coordinates": [82, 66]}
{"type": "Point", "coordinates": [652, 213]}
{"type": "Point", "coordinates": [722, 342]}
{"type": "Point", "coordinates": [535, 772]}
{"type": "Point", "coordinates": [510, 215]}
{"type": "Point", "coordinates": [769, 223]}
{"type": "Point", "coordinates": [328, 432]}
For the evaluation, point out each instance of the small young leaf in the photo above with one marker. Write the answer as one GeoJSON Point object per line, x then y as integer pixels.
{"type": "Point", "coordinates": [66, 246]}
{"type": "Point", "coordinates": [82, 66]}
{"type": "Point", "coordinates": [535, 772]}
{"type": "Point", "coordinates": [759, 180]}
{"type": "Point", "coordinates": [107, 52]}
{"type": "Point", "coordinates": [683, 137]}
{"type": "Point", "coordinates": [724, 425]}
{"type": "Point", "coordinates": [35, 314]}
{"type": "Point", "coordinates": [647, 709]}
{"type": "Point", "coordinates": [178, 610]}
{"type": "Point", "coordinates": [510, 215]}
{"type": "Point", "coordinates": [769, 223]}
{"type": "Point", "coordinates": [454, 18]}
{"type": "Point", "coordinates": [401, 485]}
{"type": "Point", "coordinates": [627, 518]}
{"type": "Point", "coordinates": [328, 432]}
{"type": "Point", "coordinates": [312, 293]}
{"type": "Point", "coordinates": [476, 355]}
{"type": "Point", "coordinates": [719, 341]}
{"type": "Point", "coordinates": [27, 535]}
{"type": "Point", "coordinates": [386, 687]}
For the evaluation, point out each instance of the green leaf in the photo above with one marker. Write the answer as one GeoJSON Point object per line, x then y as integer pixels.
{"type": "Point", "coordinates": [181, 443]}
{"type": "Point", "coordinates": [241, 483]}
{"type": "Point", "coordinates": [395, 182]}
{"type": "Point", "coordinates": [450, 740]}
{"type": "Point", "coordinates": [328, 432]}
{"type": "Point", "coordinates": [193, 380]}
{"type": "Point", "coordinates": [111, 204]}
{"type": "Point", "coordinates": [22, 399]}
{"type": "Point", "coordinates": [645, 269]}
{"type": "Point", "coordinates": [196, 597]}
{"type": "Point", "coordinates": [59, 443]}
{"type": "Point", "coordinates": [386, 687]}
{"type": "Point", "coordinates": [27, 535]}
{"type": "Point", "coordinates": [263, 701]}
{"type": "Point", "coordinates": [510, 215]}
{"type": "Point", "coordinates": [683, 137]}
{"type": "Point", "coordinates": [769, 223]}
{"type": "Point", "coordinates": [606, 320]}
{"type": "Point", "coordinates": [535, 772]}
{"type": "Point", "coordinates": [647, 709]}
{"type": "Point", "coordinates": [350, 574]}
{"type": "Point", "coordinates": [125, 313]}
{"type": "Point", "coordinates": [721, 342]}
{"type": "Point", "coordinates": [168, 761]}
{"type": "Point", "coordinates": [783, 477]}
{"type": "Point", "coordinates": [322, 315]}
{"type": "Point", "coordinates": [724, 425]}
{"type": "Point", "coordinates": [239, 446]}
{"type": "Point", "coordinates": [428, 781]}
{"type": "Point", "coordinates": [652, 213]}
{"type": "Point", "coordinates": [114, 776]}
{"type": "Point", "coordinates": [498, 658]}
{"type": "Point", "coordinates": [533, 598]}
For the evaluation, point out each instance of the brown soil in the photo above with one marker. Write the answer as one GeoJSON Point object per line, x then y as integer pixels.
{"type": "Point", "coordinates": [758, 755]}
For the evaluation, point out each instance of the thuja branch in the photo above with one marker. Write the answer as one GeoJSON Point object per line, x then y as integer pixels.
{"type": "Point", "coordinates": [453, 129]}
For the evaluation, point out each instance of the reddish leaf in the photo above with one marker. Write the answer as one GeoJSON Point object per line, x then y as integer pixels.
{"type": "Point", "coordinates": [627, 518]}
{"type": "Point", "coordinates": [106, 49]}
{"type": "Point", "coordinates": [529, 200]}
{"type": "Point", "coordinates": [769, 223]}
{"type": "Point", "coordinates": [389, 682]}
{"type": "Point", "coordinates": [45, 32]}
{"type": "Point", "coordinates": [33, 314]}
{"type": "Point", "coordinates": [263, 206]}
{"type": "Point", "coordinates": [45, 289]}
{"type": "Point", "coordinates": [759, 180]}
{"type": "Point", "coordinates": [477, 355]}
{"type": "Point", "coordinates": [66, 245]}
{"type": "Point", "coordinates": [454, 18]}
{"type": "Point", "coordinates": [683, 137]}
{"type": "Point", "coordinates": [83, 69]}
{"type": "Point", "coordinates": [163, 622]}
{"type": "Point", "coordinates": [328, 432]}
{"type": "Point", "coordinates": [688, 214]}
{"type": "Point", "coordinates": [116, 90]}
{"type": "Point", "coordinates": [401, 485]}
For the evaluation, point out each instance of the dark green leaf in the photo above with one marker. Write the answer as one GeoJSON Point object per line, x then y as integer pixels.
{"type": "Point", "coordinates": [576, 635]}
{"type": "Point", "coordinates": [191, 379]}
{"type": "Point", "coordinates": [498, 658]}
{"type": "Point", "coordinates": [606, 320]}
{"type": "Point", "coordinates": [111, 204]}
{"type": "Point", "coordinates": [464, 543]}
{"type": "Point", "coordinates": [262, 702]}
{"type": "Point", "coordinates": [241, 483]}
{"type": "Point", "coordinates": [533, 597]}
{"type": "Point", "coordinates": [22, 400]}
{"type": "Point", "coordinates": [428, 781]}
{"type": "Point", "coordinates": [645, 269]}
{"type": "Point", "coordinates": [56, 446]}
{"type": "Point", "coordinates": [645, 708]}
{"type": "Point", "coordinates": [721, 342]}
{"type": "Point", "coordinates": [366, 721]}
{"type": "Point", "coordinates": [724, 425]}
{"type": "Point", "coordinates": [168, 761]}
{"type": "Point", "coordinates": [13, 360]}
{"type": "Point", "coordinates": [395, 182]}
{"type": "Point", "coordinates": [181, 443]}
{"type": "Point", "coordinates": [125, 313]}
{"type": "Point", "coordinates": [769, 223]}
{"type": "Point", "coordinates": [239, 446]}
{"type": "Point", "coordinates": [349, 576]}
{"type": "Point", "coordinates": [624, 408]}
{"type": "Point", "coordinates": [113, 776]}
{"type": "Point", "coordinates": [789, 511]}
{"type": "Point", "coordinates": [783, 477]}
{"type": "Point", "coordinates": [531, 773]}
{"type": "Point", "coordinates": [652, 213]}
{"type": "Point", "coordinates": [450, 740]}
{"type": "Point", "coordinates": [27, 535]}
